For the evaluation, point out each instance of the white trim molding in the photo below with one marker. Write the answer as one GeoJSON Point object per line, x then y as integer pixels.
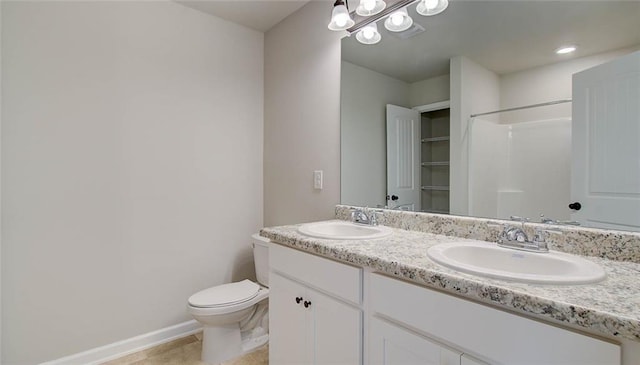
{"type": "Point", "coordinates": [129, 346]}
{"type": "Point", "coordinates": [433, 106]}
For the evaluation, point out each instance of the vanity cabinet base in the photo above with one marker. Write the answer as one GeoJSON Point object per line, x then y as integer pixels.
{"type": "Point", "coordinates": [310, 323]}
{"type": "Point", "coordinates": [485, 333]}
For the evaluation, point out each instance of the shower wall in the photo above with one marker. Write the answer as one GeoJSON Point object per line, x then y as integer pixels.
{"type": "Point", "coordinates": [520, 168]}
{"type": "Point", "coordinates": [487, 166]}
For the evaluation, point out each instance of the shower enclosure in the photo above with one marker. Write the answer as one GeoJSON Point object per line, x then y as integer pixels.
{"type": "Point", "coordinates": [519, 166]}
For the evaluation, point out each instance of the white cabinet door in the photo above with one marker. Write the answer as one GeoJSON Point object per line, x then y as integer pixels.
{"type": "Point", "coordinates": [605, 175]}
{"type": "Point", "coordinates": [307, 327]}
{"type": "Point", "coordinates": [392, 345]}
{"type": "Point", "coordinates": [337, 331]}
{"type": "Point", "coordinates": [289, 337]}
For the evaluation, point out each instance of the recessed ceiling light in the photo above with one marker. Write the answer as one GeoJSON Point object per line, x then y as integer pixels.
{"type": "Point", "coordinates": [565, 50]}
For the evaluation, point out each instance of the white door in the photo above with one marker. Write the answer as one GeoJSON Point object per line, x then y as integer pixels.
{"type": "Point", "coordinates": [336, 330]}
{"type": "Point", "coordinates": [605, 175]}
{"type": "Point", "coordinates": [403, 158]}
{"type": "Point", "coordinates": [392, 345]}
{"type": "Point", "coordinates": [289, 336]}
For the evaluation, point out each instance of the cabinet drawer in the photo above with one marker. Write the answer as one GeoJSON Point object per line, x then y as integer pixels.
{"type": "Point", "coordinates": [340, 280]}
{"type": "Point", "coordinates": [487, 333]}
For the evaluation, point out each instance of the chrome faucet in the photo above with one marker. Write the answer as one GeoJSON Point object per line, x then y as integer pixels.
{"type": "Point", "coordinates": [516, 238]}
{"type": "Point", "coordinates": [546, 220]}
{"type": "Point", "coordinates": [365, 216]}
{"type": "Point", "coordinates": [511, 234]}
{"type": "Point", "coordinates": [359, 216]}
{"type": "Point", "coordinates": [407, 207]}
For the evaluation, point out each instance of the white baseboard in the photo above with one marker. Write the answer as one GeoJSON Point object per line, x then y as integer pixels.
{"type": "Point", "coordinates": [118, 349]}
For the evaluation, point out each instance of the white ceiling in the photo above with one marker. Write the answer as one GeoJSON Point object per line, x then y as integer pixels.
{"type": "Point", "coordinates": [260, 15]}
{"type": "Point", "coordinates": [503, 36]}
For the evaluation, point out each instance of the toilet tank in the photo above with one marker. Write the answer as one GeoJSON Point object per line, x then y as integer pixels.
{"type": "Point", "coordinates": [261, 258]}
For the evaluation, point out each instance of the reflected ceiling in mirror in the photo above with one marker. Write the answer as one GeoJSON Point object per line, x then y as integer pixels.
{"type": "Point", "coordinates": [502, 36]}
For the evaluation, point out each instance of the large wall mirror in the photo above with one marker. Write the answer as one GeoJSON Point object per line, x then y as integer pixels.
{"type": "Point", "coordinates": [472, 112]}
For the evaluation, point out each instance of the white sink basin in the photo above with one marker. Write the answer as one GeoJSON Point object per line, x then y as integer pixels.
{"type": "Point", "coordinates": [341, 230]}
{"type": "Point", "coordinates": [489, 260]}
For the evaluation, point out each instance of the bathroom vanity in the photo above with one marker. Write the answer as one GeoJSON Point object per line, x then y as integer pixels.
{"type": "Point", "coordinates": [384, 301]}
{"type": "Point", "coordinates": [317, 317]}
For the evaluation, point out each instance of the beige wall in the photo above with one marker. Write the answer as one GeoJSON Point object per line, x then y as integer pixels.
{"type": "Point", "coordinates": [365, 94]}
{"type": "Point", "coordinates": [302, 117]}
{"type": "Point", "coordinates": [430, 91]}
{"type": "Point", "coordinates": [131, 168]}
{"type": "Point", "coordinates": [474, 89]}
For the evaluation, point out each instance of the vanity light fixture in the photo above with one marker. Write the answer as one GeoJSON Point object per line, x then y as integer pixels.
{"type": "Point", "coordinates": [431, 7]}
{"type": "Point", "coordinates": [369, 34]}
{"type": "Point", "coordinates": [566, 49]}
{"type": "Point", "coordinates": [370, 7]}
{"type": "Point", "coordinates": [398, 21]}
{"type": "Point", "coordinates": [340, 18]}
{"type": "Point", "coordinates": [394, 12]}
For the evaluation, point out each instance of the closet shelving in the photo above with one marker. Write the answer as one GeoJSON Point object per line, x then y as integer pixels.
{"type": "Point", "coordinates": [435, 139]}
{"type": "Point", "coordinates": [435, 161]}
{"type": "Point", "coordinates": [441, 188]}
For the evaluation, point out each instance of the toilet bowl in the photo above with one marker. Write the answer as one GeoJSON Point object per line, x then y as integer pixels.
{"type": "Point", "coordinates": [234, 316]}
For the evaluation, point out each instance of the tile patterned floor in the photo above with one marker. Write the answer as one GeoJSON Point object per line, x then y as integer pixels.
{"type": "Point", "coordinates": [186, 351]}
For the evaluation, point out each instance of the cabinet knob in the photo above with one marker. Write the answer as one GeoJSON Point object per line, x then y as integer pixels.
{"type": "Point", "coordinates": [307, 304]}
{"type": "Point", "coordinates": [575, 206]}
{"type": "Point", "coordinates": [298, 300]}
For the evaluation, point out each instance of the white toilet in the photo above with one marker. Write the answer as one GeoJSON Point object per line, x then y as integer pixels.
{"type": "Point", "coordinates": [235, 316]}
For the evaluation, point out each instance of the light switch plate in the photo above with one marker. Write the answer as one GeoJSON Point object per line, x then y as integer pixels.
{"type": "Point", "coordinates": [317, 179]}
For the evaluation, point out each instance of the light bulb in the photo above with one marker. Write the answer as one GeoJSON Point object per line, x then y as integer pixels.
{"type": "Point", "coordinates": [369, 4]}
{"type": "Point", "coordinates": [341, 20]}
{"type": "Point", "coordinates": [565, 50]}
{"type": "Point", "coordinates": [431, 4]}
{"type": "Point", "coordinates": [431, 7]}
{"type": "Point", "coordinates": [369, 34]}
{"type": "Point", "coordinates": [370, 7]}
{"type": "Point", "coordinates": [397, 19]}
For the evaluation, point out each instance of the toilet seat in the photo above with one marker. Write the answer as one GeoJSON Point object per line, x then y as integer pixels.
{"type": "Point", "coordinates": [263, 293]}
{"type": "Point", "coordinates": [225, 295]}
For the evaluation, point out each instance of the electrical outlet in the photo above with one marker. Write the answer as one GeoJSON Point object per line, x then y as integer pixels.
{"type": "Point", "coordinates": [317, 179]}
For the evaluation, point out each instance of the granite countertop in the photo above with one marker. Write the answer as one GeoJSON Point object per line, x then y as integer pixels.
{"type": "Point", "coordinates": [611, 307]}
